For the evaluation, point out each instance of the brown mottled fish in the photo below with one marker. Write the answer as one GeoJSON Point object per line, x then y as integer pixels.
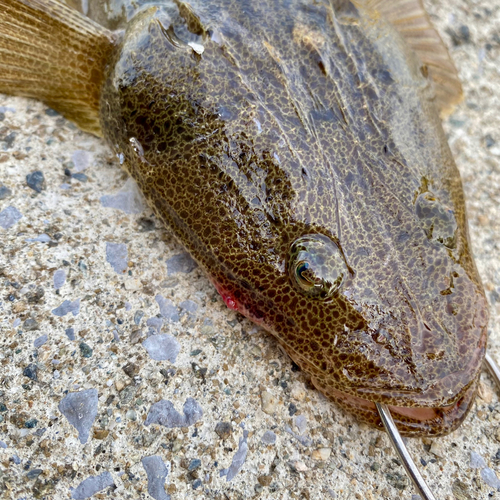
{"type": "Point", "coordinates": [295, 148]}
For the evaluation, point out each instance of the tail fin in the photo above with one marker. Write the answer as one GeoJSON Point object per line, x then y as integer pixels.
{"type": "Point", "coordinates": [50, 52]}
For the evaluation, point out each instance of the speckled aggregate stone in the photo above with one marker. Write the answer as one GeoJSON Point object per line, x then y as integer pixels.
{"type": "Point", "coordinates": [9, 216]}
{"type": "Point", "coordinates": [128, 199]}
{"type": "Point", "coordinates": [68, 306]}
{"type": "Point", "coordinates": [117, 255]}
{"type": "Point", "coordinates": [80, 408]}
{"type": "Point", "coordinates": [59, 278]}
{"type": "Point", "coordinates": [180, 263]}
{"type": "Point", "coordinates": [241, 360]}
{"type": "Point", "coordinates": [157, 472]}
{"type": "Point", "coordinates": [5, 192]}
{"type": "Point", "coordinates": [164, 413]}
{"type": "Point", "coordinates": [162, 347]}
{"type": "Point", "coordinates": [92, 485]}
{"type": "Point", "coordinates": [238, 459]}
{"type": "Point", "coordinates": [36, 181]}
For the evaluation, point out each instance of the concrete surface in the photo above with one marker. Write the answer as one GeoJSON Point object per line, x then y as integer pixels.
{"type": "Point", "coordinates": [82, 284]}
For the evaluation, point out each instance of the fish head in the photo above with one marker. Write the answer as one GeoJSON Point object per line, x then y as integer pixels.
{"type": "Point", "coordinates": [336, 222]}
{"type": "Point", "coordinates": [392, 312]}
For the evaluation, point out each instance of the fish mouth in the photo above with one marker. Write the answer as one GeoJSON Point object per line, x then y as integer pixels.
{"type": "Point", "coordinates": [411, 421]}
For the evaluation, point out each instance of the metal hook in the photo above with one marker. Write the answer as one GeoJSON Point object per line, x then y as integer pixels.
{"type": "Point", "coordinates": [399, 446]}
{"type": "Point", "coordinates": [493, 369]}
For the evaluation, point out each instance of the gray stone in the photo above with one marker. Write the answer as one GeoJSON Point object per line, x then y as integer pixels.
{"type": "Point", "coordinates": [157, 472]}
{"type": "Point", "coordinates": [30, 325]}
{"type": "Point", "coordinates": [490, 478]}
{"type": "Point", "coordinates": [81, 159]}
{"type": "Point", "coordinates": [301, 423]}
{"type": "Point", "coordinates": [92, 485]}
{"type": "Point", "coordinates": [180, 263]}
{"type": "Point", "coordinates": [117, 256]}
{"type": "Point", "coordinates": [303, 440]}
{"type": "Point", "coordinates": [128, 200]}
{"type": "Point", "coordinates": [67, 307]}
{"type": "Point", "coordinates": [70, 333]}
{"type": "Point", "coordinates": [127, 394]}
{"type": "Point", "coordinates": [164, 413]}
{"type": "Point", "coordinates": [8, 140]}
{"type": "Point", "coordinates": [34, 473]}
{"type": "Point", "coordinates": [39, 341]}
{"type": "Point", "coordinates": [223, 429]}
{"type": "Point", "coordinates": [5, 192]}
{"type": "Point", "coordinates": [31, 371]}
{"type": "Point", "coordinates": [476, 461]}
{"type": "Point", "coordinates": [154, 324]}
{"type": "Point", "coordinates": [80, 408]}
{"type": "Point", "coordinates": [194, 464]}
{"type": "Point", "coordinates": [80, 177]}
{"type": "Point", "coordinates": [43, 238]}
{"type": "Point", "coordinates": [36, 181]}
{"type": "Point", "coordinates": [189, 306]}
{"type": "Point", "coordinates": [269, 437]}
{"type": "Point", "coordinates": [85, 350]}
{"type": "Point", "coordinates": [167, 308]}
{"type": "Point", "coordinates": [162, 347]}
{"type": "Point", "coordinates": [238, 459]}
{"type": "Point", "coordinates": [138, 317]}
{"type": "Point", "coordinates": [59, 278]}
{"type": "Point", "coordinates": [9, 216]}
{"type": "Point", "coordinates": [3, 445]}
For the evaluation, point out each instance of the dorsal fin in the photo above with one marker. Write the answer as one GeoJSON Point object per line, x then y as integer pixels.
{"type": "Point", "coordinates": [412, 22]}
{"type": "Point", "coordinates": [51, 52]}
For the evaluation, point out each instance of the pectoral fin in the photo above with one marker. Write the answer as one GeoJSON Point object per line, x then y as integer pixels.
{"type": "Point", "coordinates": [412, 22]}
{"type": "Point", "coordinates": [50, 52]}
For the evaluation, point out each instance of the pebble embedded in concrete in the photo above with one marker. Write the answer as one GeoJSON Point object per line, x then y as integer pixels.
{"type": "Point", "coordinates": [9, 217]}
{"type": "Point", "coordinates": [269, 438]}
{"type": "Point", "coordinates": [67, 307]}
{"type": "Point", "coordinates": [117, 256]}
{"type": "Point", "coordinates": [238, 459]}
{"type": "Point", "coordinates": [128, 199]}
{"type": "Point", "coordinates": [476, 461]}
{"type": "Point", "coordinates": [5, 192]}
{"type": "Point", "coordinates": [162, 347]}
{"type": "Point", "coordinates": [80, 408]}
{"type": "Point", "coordinates": [165, 414]}
{"type": "Point", "coordinates": [167, 308]}
{"type": "Point", "coordinates": [59, 278]}
{"type": "Point", "coordinates": [180, 263]}
{"type": "Point", "coordinates": [36, 181]}
{"type": "Point", "coordinates": [39, 341]}
{"type": "Point", "coordinates": [269, 402]}
{"type": "Point", "coordinates": [157, 473]}
{"type": "Point", "coordinates": [490, 478]}
{"type": "Point", "coordinates": [223, 429]}
{"type": "Point", "coordinates": [92, 485]}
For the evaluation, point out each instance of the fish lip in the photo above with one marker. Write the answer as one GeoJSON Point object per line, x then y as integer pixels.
{"type": "Point", "coordinates": [412, 421]}
{"type": "Point", "coordinates": [442, 393]}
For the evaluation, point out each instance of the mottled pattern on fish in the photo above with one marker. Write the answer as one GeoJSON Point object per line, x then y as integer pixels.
{"type": "Point", "coordinates": [304, 121]}
{"type": "Point", "coordinates": [295, 149]}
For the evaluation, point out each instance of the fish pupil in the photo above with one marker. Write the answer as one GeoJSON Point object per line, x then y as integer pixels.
{"type": "Point", "coordinates": [316, 266]}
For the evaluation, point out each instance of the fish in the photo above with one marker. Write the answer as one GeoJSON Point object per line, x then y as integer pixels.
{"type": "Point", "coordinates": [296, 151]}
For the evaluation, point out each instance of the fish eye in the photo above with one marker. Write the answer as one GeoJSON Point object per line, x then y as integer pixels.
{"type": "Point", "coordinates": [316, 266]}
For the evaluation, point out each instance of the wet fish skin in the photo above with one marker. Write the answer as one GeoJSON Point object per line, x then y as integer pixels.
{"type": "Point", "coordinates": [295, 149]}
{"type": "Point", "coordinates": [299, 122]}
